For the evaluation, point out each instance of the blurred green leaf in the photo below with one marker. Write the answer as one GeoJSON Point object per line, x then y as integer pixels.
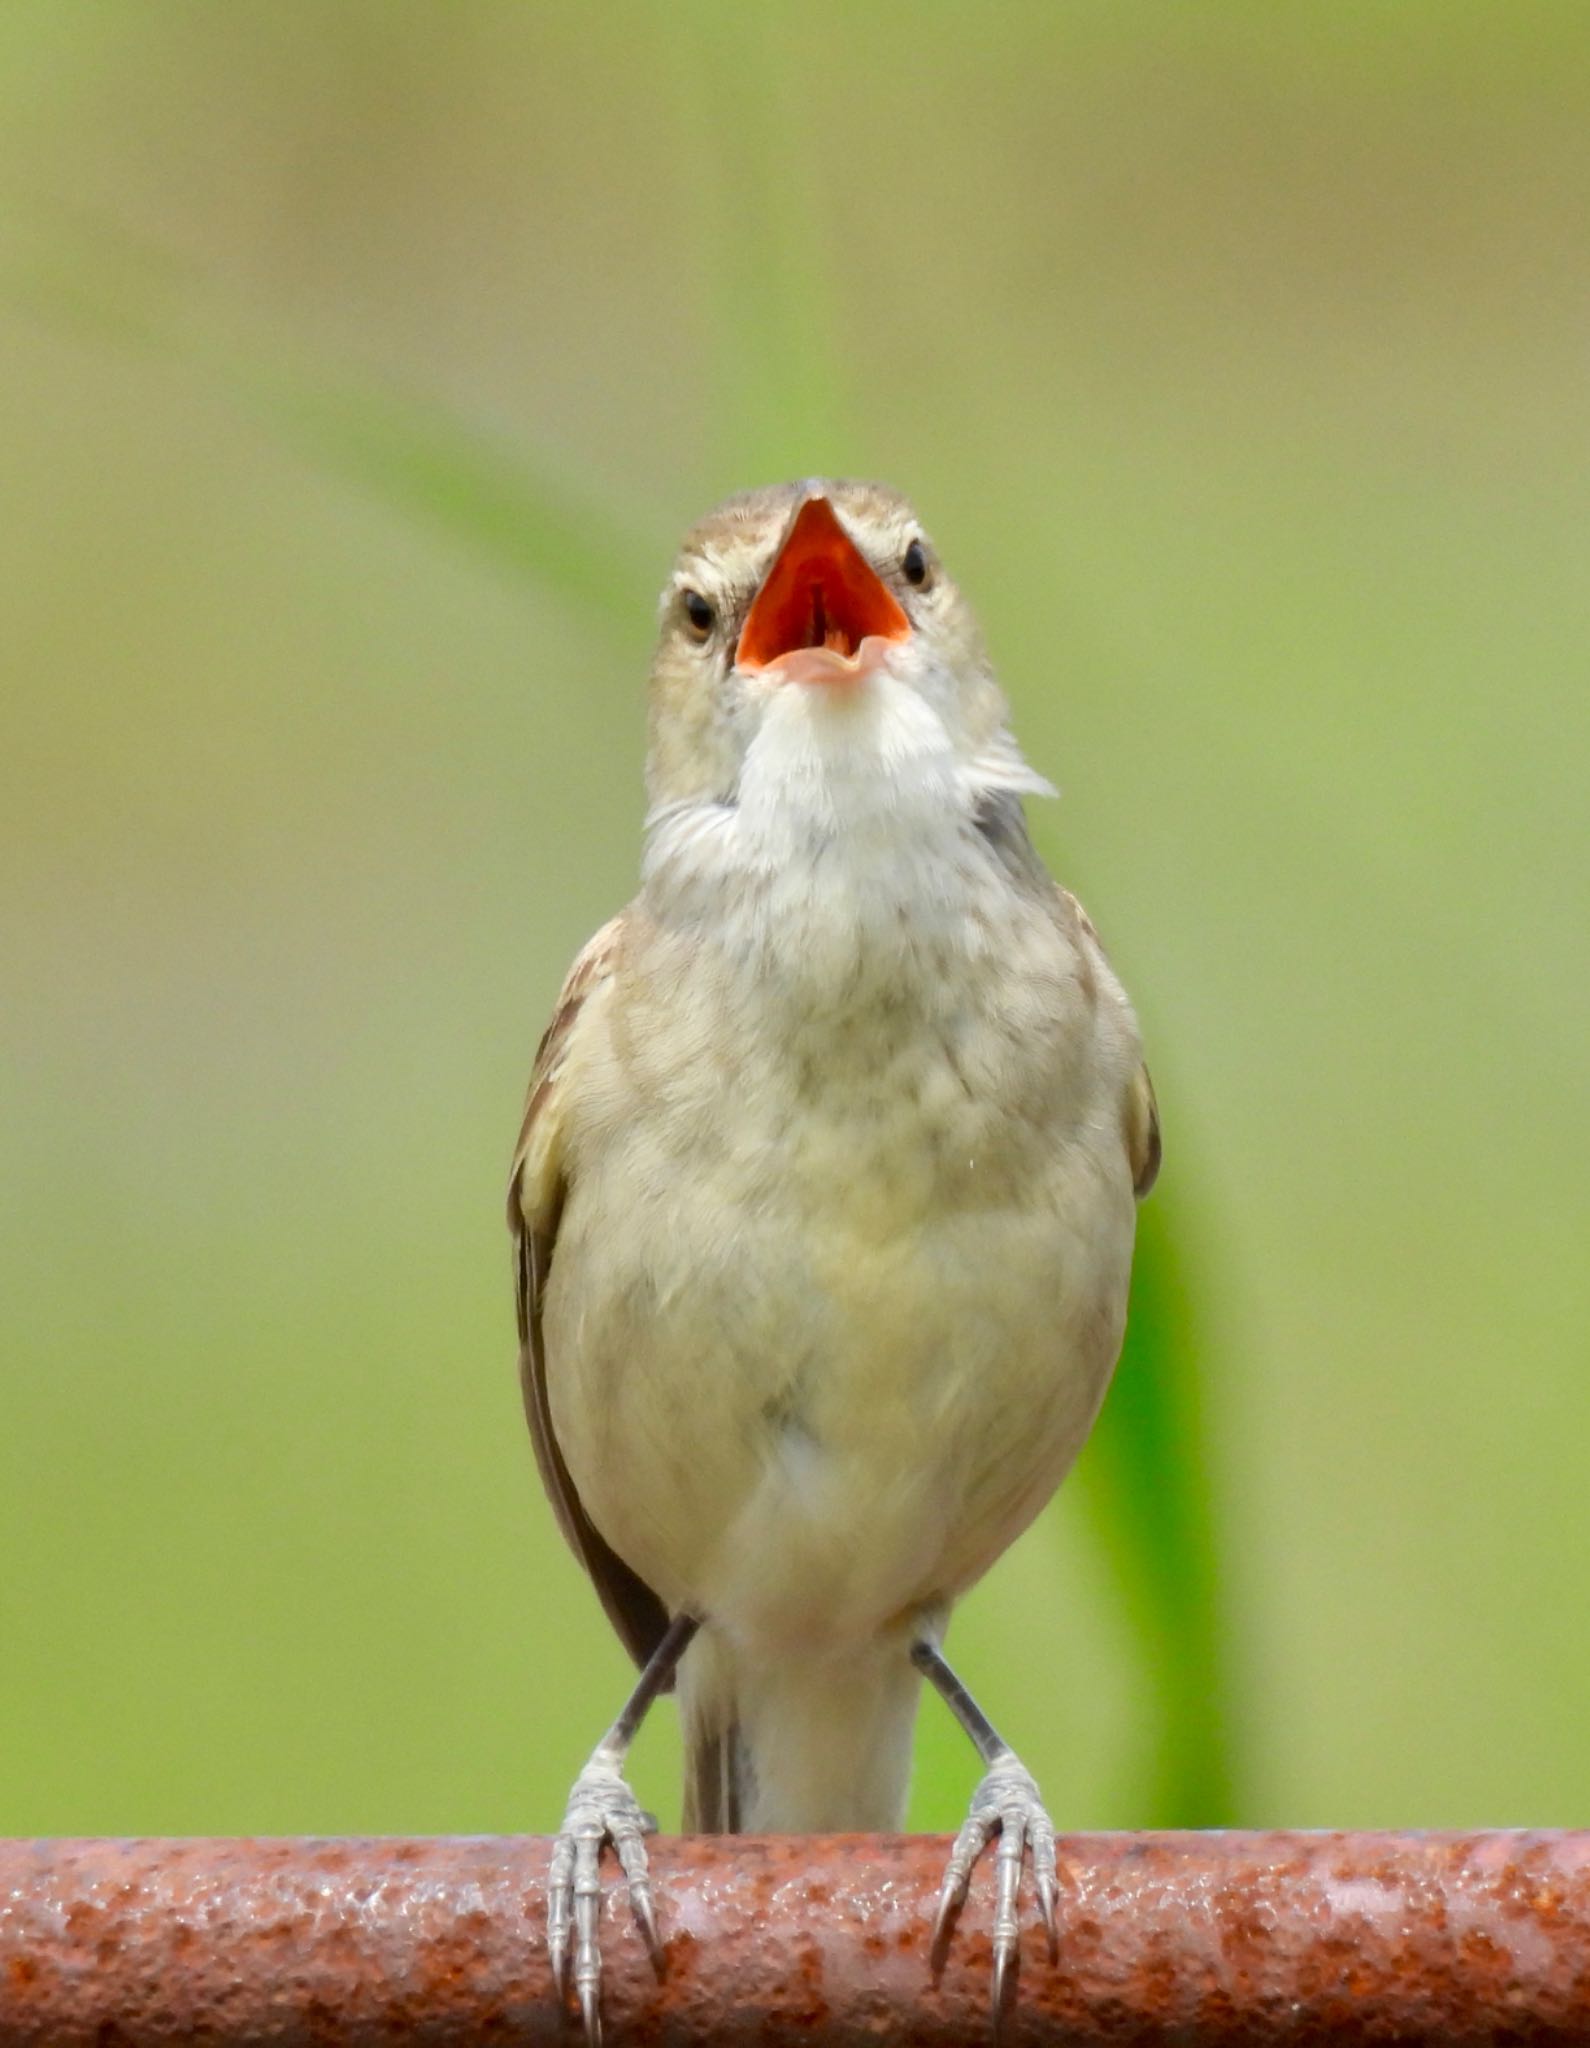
{"type": "Point", "coordinates": [427, 463]}
{"type": "Point", "coordinates": [769, 285]}
{"type": "Point", "coordinates": [1145, 1477]}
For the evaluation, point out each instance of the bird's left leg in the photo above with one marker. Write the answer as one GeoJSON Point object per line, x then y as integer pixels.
{"type": "Point", "coordinates": [1006, 1803]}
{"type": "Point", "coordinates": [601, 1809]}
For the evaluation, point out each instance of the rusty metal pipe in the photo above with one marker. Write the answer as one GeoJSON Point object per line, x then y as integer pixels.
{"type": "Point", "coordinates": [1250, 1938]}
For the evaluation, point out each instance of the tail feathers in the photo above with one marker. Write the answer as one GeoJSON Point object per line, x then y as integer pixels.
{"type": "Point", "coordinates": [716, 1794]}
{"type": "Point", "coordinates": [775, 1746]}
{"type": "Point", "coordinates": [717, 1761]}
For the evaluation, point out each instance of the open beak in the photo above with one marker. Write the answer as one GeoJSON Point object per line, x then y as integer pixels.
{"type": "Point", "coordinates": [822, 615]}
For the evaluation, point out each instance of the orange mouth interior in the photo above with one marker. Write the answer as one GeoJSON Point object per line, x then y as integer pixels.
{"type": "Point", "coordinates": [821, 592]}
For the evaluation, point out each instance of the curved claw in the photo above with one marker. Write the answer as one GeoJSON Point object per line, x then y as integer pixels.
{"type": "Point", "coordinates": [973, 1838]}
{"type": "Point", "coordinates": [632, 1858]}
{"type": "Point", "coordinates": [591, 2013]}
{"type": "Point", "coordinates": [1047, 1890]}
{"type": "Point", "coordinates": [1006, 1803]}
{"type": "Point", "coordinates": [601, 1809]}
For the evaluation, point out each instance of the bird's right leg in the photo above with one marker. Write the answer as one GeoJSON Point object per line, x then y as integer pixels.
{"type": "Point", "coordinates": [602, 1809]}
{"type": "Point", "coordinates": [1006, 1804]}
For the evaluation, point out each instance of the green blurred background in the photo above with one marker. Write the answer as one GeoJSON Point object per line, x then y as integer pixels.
{"type": "Point", "coordinates": [359, 366]}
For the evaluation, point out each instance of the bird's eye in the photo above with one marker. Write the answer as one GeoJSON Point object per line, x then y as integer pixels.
{"type": "Point", "coordinates": [914, 566]}
{"type": "Point", "coordinates": [699, 614]}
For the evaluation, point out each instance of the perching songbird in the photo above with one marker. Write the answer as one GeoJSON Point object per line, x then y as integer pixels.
{"type": "Point", "coordinates": [824, 1202]}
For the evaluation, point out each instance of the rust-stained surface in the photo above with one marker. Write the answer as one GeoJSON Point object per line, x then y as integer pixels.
{"type": "Point", "coordinates": [1184, 1938]}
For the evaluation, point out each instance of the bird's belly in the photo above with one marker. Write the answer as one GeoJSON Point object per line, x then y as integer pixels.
{"type": "Point", "coordinates": [804, 1419]}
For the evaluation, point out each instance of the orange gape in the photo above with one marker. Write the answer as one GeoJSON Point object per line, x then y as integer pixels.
{"type": "Point", "coordinates": [821, 592]}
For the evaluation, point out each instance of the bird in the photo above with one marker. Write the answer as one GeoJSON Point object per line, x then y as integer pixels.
{"type": "Point", "coordinates": [822, 1207]}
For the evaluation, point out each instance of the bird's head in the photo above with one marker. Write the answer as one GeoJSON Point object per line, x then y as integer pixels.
{"type": "Point", "coordinates": [818, 615]}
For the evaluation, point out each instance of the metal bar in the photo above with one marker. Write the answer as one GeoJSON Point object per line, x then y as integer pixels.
{"type": "Point", "coordinates": [1251, 1938]}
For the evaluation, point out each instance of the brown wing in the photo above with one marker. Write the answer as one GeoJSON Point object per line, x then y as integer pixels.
{"type": "Point", "coordinates": [1140, 1113]}
{"type": "Point", "coordinates": [1142, 1132]}
{"type": "Point", "coordinates": [536, 1191]}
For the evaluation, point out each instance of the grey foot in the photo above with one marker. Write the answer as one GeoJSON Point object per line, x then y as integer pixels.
{"type": "Point", "coordinates": [601, 1809]}
{"type": "Point", "coordinates": [1006, 1803]}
